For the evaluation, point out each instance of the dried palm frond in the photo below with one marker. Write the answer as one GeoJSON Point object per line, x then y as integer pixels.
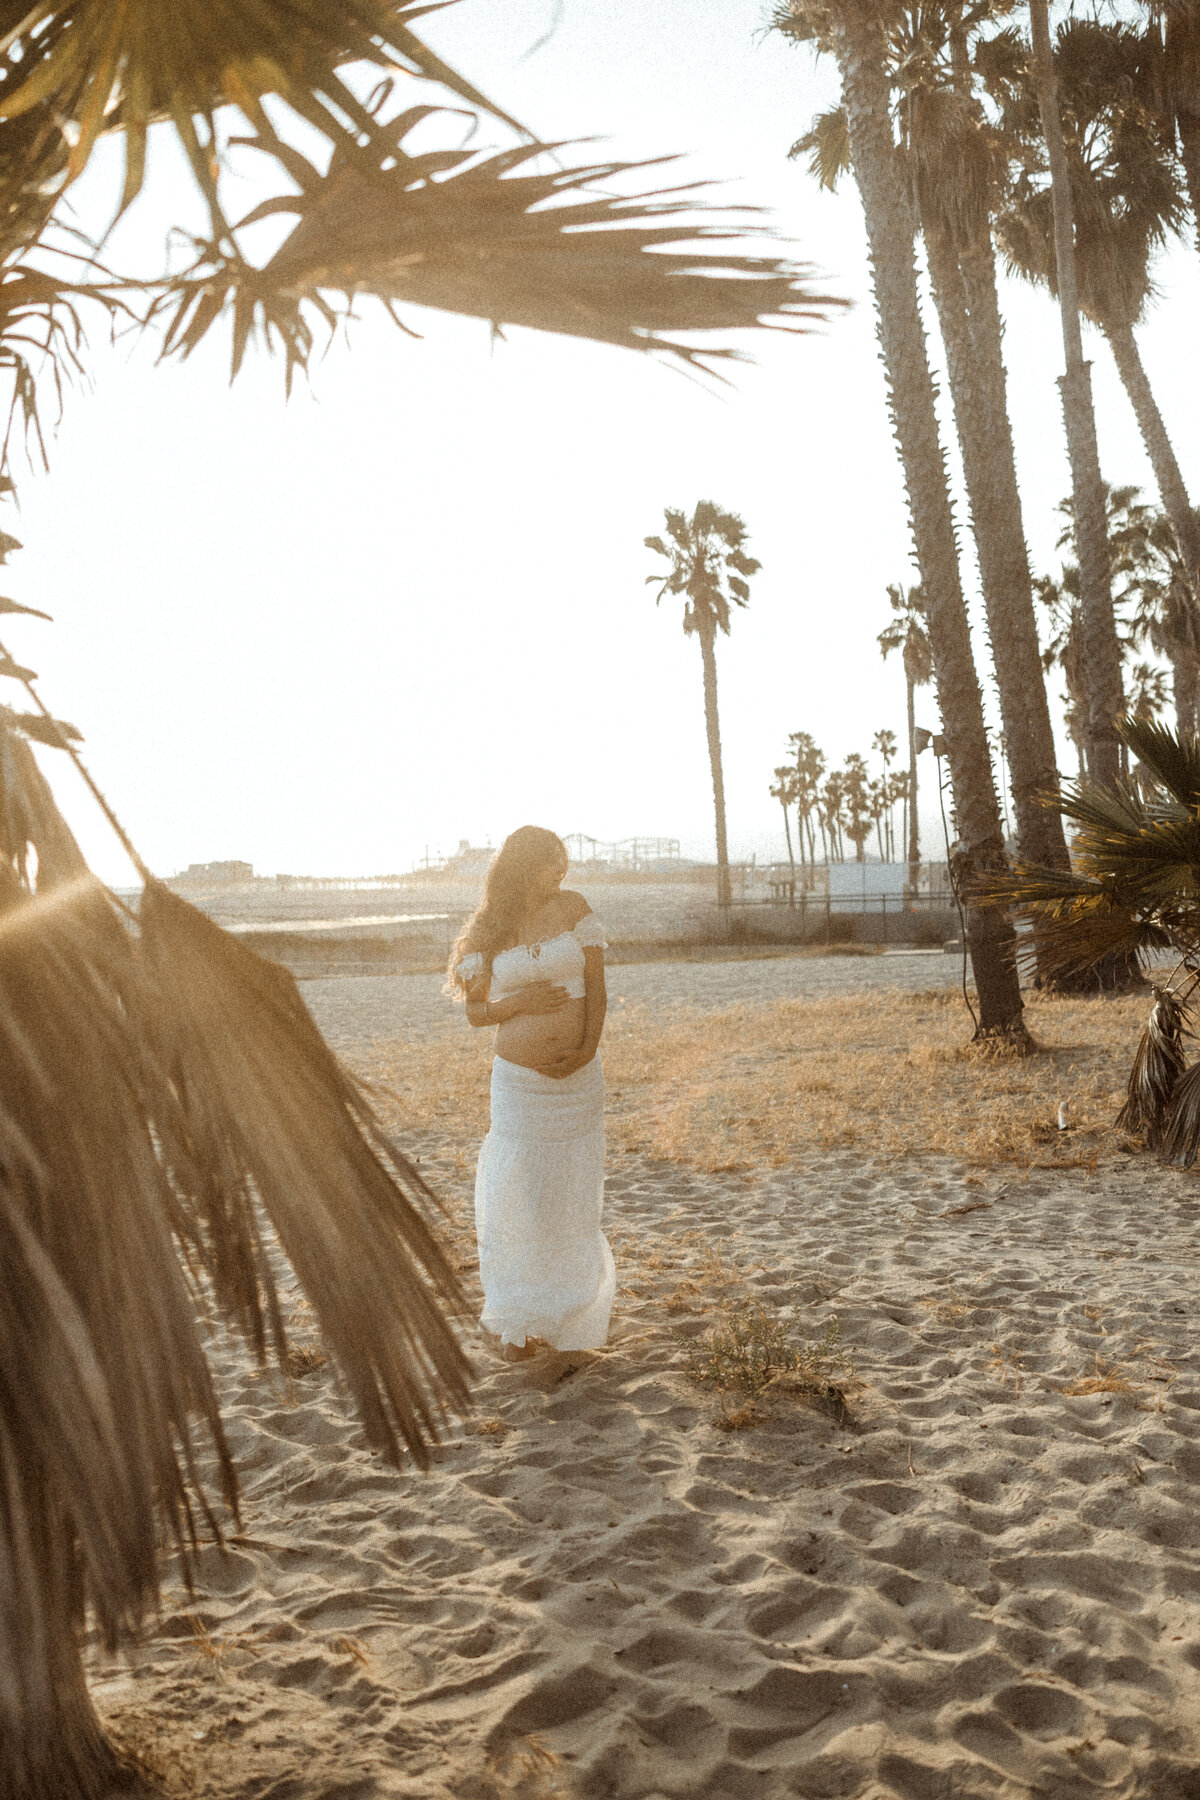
{"type": "Point", "coordinates": [552, 249]}
{"type": "Point", "coordinates": [169, 1114]}
{"type": "Point", "coordinates": [265, 1113]}
{"type": "Point", "coordinates": [1180, 1139]}
{"type": "Point", "coordinates": [1073, 923]}
{"type": "Point", "coordinates": [95, 67]}
{"type": "Point", "coordinates": [1157, 1066]}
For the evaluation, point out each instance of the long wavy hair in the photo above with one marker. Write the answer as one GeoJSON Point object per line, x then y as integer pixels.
{"type": "Point", "coordinates": [495, 924]}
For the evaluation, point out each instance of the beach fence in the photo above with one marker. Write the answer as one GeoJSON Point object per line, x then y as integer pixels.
{"type": "Point", "coordinates": [841, 903]}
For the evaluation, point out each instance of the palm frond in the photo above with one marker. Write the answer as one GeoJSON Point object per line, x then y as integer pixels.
{"type": "Point", "coordinates": [95, 68]}
{"type": "Point", "coordinates": [266, 1113]}
{"type": "Point", "coordinates": [1180, 1140]}
{"type": "Point", "coordinates": [552, 249]}
{"type": "Point", "coordinates": [826, 143]}
{"type": "Point", "coordinates": [1173, 758]}
{"type": "Point", "coordinates": [172, 1126]}
{"type": "Point", "coordinates": [1073, 923]}
{"type": "Point", "coordinates": [1157, 1066]}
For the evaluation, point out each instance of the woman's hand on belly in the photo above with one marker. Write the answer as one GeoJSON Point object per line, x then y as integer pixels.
{"type": "Point", "coordinates": [569, 1062]}
{"type": "Point", "coordinates": [538, 1040]}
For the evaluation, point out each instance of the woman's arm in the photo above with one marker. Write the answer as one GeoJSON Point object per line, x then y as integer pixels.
{"type": "Point", "coordinates": [536, 997]}
{"type": "Point", "coordinates": [595, 1009]}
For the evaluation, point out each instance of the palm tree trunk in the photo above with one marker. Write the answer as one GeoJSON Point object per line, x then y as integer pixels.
{"type": "Point", "coordinates": [52, 1744]}
{"type": "Point", "coordinates": [1158, 445]}
{"type": "Point", "coordinates": [1185, 684]}
{"type": "Point", "coordinates": [1189, 155]}
{"type": "Point", "coordinates": [1101, 651]}
{"type": "Point", "coordinates": [787, 832]}
{"type": "Point", "coordinates": [861, 50]}
{"type": "Point", "coordinates": [964, 289]}
{"type": "Point", "coordinates": [800, 846]}
{"type": "Point", "coordinates": [713, 728]}
{"type": "Point", "coordinates": [910, 804]}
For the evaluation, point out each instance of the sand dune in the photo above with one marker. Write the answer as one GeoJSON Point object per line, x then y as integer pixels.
{"type": "Point", "coordinates": [987, 1584]}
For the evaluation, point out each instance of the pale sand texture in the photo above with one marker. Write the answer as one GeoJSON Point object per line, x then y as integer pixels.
{"type": "Point", "coordinates": [985, 1586]}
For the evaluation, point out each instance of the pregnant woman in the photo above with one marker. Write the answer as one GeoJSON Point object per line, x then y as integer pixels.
{"type": "Point", "coordinates": [531, 962]}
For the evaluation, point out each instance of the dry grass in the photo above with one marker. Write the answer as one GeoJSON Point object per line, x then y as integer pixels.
{"type": "Point", "coordinates": [751, 1349]}
{"type": "Point", "coordinates": [305, 1359]}
{"type": "Point", "coordinates": [1107, 1378]}
{"type": "Point", "coordinates": [758, 1086]}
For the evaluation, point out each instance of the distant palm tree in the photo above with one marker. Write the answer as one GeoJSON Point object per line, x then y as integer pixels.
{"type": "Point", "coordinates": [907, 634]}
{"type": "Point", "coordinates": [710, 568]}
{"type": "Point", "coordinates": [885, 743]}
{"type": "Point", "coordinates": [1147, 691]}
{"type": "Point", "coordinates": [809, 766]}
{"type": "Point", "coordinates": [833, 819]}
{"type": "Point", "coordinates": [783, 789]}
{"type": "Point", "coordinates": [857, 802]}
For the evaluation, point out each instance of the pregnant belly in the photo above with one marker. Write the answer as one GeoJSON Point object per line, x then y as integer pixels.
{"type": "Point", "coordinates": [533, 1038]}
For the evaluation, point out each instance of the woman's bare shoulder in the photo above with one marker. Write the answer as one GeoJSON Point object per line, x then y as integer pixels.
{"type": "Point", "coordinates": [575, 908]}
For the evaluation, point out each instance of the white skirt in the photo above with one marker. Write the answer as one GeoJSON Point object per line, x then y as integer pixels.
{"type": "Point", "coordinates": [546, 1267]}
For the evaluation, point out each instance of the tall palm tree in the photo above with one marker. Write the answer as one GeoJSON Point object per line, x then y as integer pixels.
{"type": "Point", "coordinates": [208, 1120]}
{"type": "Point", "coordinates": [711, 569]}
{"type": "Point", "coordinates": [956, 169]}
{"type": "Point", "coordinates": [1127, 200]}
{"type": "Point", "coordinates": [854, 31]}
{"type": "Point", "coordinates": [907, 633]}
{"type": "Point", "coordinates": [1102, 660]}
{"type": "Point", "coordinates": [783, 789]}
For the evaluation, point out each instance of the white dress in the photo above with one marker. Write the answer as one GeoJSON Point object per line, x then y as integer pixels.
{"type": "Point", "coordinates": [545, 1264]}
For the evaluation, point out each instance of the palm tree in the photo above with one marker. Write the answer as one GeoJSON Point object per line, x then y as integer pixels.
{"type": "Point", "coordinates": [855, 32]}
{"type": "Point", "coordinates": [1102, 660]}
{"type": "Point", "coordinates": [956, 169]}
{"type": "Point", "coordinates": [885, 743]}
{"type": "Point", "coordinates": [857, 802]}
{"type": "Point", "coordinates": [907, 633]}
{"type": "Point", "coordinates": [209, 1123]}
{"type": "Point", "coordinates": [709, 566]}
{"type": "Point", "coordinates": [833, 817]}
{"type": "Point", "coordinates": [1127, 200]}
{"type": "Point", "coordinates": [783, 789]}
{"type": "Point", "coordinates": [1147, 691]}
{"type": "Point", "coordinates": [1175, 94]}
{"type": "Point", "coordinates": [808, 768]}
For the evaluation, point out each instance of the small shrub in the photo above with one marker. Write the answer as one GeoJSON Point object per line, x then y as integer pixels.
{"type": "Point", "coordinates": [751, 1348]}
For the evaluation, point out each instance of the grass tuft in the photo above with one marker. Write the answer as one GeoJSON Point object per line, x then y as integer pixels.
{"type": "Point", "coordinates": [750, 1349]}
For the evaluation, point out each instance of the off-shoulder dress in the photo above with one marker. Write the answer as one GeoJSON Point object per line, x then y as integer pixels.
{"type": "Point", "coordinates": [546, 1266]}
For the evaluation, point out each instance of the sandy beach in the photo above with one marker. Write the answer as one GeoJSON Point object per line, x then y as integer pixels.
{"type": "Point", "coordinates": [978, 1578]}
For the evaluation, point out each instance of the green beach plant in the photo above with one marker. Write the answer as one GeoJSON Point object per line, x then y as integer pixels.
{"type": "Point", "coordinates": [1133, 896]}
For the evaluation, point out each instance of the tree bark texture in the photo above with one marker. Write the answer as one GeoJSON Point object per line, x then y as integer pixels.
{"type": "Point", "coordinates": [978, 390]}
{"type": "Point", "coordinates": [913, 846]}
{"type": "Point", "coordinates": [860, 48]}
{"type": "Point", "coordinates": [1101, 650]}
{"type": "Point", "coordinates": [1159, 449]}
{"type": "Point", "coordinates": [1185, 686]}
{"type": "Point", "coordinates": [713, 729]}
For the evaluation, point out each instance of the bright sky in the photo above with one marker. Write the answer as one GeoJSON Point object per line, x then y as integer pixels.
{"type": "Point", "coordinates": [409, 606]}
